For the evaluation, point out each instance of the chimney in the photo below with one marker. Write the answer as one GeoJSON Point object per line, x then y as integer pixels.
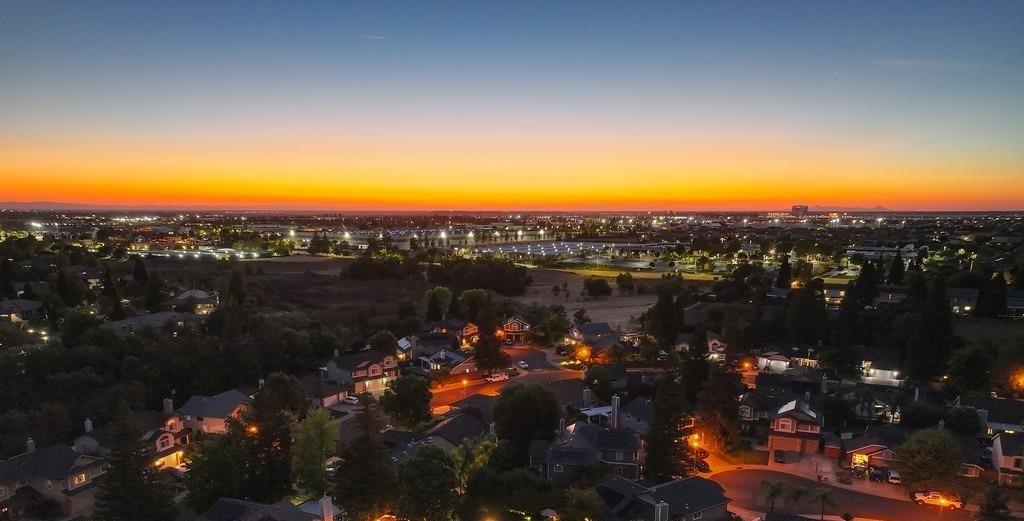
{"type": "Point", "coordinates": [824, 384]}
{"type": "Point", "coordinates": [561, 425]}
{"type": "Point", "coordinates": [493, 428]}
{"type": "Point", "coordinates": [88, 425]}
{"type": "Point", "coordinates": [168, 405]}
{"type": "Point", "coordinates": [326, 508]}
{"type": "Point", "coordinates": [661, 511]}
{"type": "Point", "coordinates": [917, 393]}
{"type": "Point", "coordinates": [336, 353]}
{"type": "Point", "coordinates": [30, 445]}
{"type": "Point", "coordinates": [942, 425]}
{"type": "Point", "coordinates": [615, 412]}
{"type": "Point", "coordinates": [261, 382]}
{"type": "Point", "coordinates": [586, 397]}
{"type": "Point", "coordinates": [807, 396]}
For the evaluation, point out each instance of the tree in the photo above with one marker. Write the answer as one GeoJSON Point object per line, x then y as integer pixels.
{"type": "Point", "coordinates": [524, 413]}
{"type": "Point", "coordinates": [472, 301]}
{"type": "Point", "coordinates": [897, 269]}
{"type": "Point", "coordinates": [930, 459]}
{"type": "Point", "coordinates": [970, 371]}
{"type": "Point", "coordinates": [130, 490]}
{"type": "Point", "coordinates": [784, 279]}
{"type": "Point", "coordinates": [236, 288]}
{"type": "Point", "coordinates": [490, 491]}
{"type": "Point", "coordinates": [383, 341]}
{"type": "Point", "coordinates": [580, 317]}
{"type": "Point", "coordinates": [664, 441]}
{"type": "Point", "coordinates": [624, 281]}
{"type": "Point", "coordinates": [438, 301]}
{"type": "Point", "coordinates": [219, 467]}
{"type": "Point", "coordinates": [596, 287]}
{"type": "Point", "coordinates": [993, 506]}
{"type": "Point", "coordinates": [581, 505]}
{"type": "Point", "coordinates": [139, 274]}
{"type": "Point", "coordinates": [365, 481]}
{"type": "Point", "coordinates": [773, 490]}
{"type": "Point", "coordinates": [407, 401]}
{"type": "Point", "coordinates": [52, 424]}
{"type": "Point", "coordinates": [153, 295]}
{"type": "Point", "coordinates": [470, 456]}
{"type": "Point", "coordinates": [992, 297]}
{"type": "Point", "coordinates": [315, 439]}
{"type": "Point", "coordinates": [598, 379]}
{"type": "Point", "coordinates": [930, 339]}
{"type": "Point", "coordinates": [823, 497]}
{"type": "Point", "coordinates": [718, 408]}
{"type": "Point", "coordinates": [487, 352]}
{"type": "Point", "coordinates": [426, 486]}
{"type": "Point", "coordinates": [806, 317]}
{"type": "Point", "coordinates": [553, 328]}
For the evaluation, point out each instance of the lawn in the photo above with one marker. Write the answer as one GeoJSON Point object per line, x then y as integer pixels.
{"type": "Point", "coordinates": [742, 454]}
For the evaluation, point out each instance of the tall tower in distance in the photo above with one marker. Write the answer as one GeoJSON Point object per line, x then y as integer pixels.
{"type": "Point", "coordinates": [799, 210]}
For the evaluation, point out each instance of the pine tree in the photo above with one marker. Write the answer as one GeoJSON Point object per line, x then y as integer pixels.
{"type": "Point", "coordinates": [139, 272]}
{"type": "Point", "coordinates": [785, 277]}
{"type": "Point", "coordinates": [897, 269]}
{"type": "Point", "coordinates": [365, 481]}
{"type": "Point", "coordinates": [130, 490]}
{"type": "Point", "coordinates": [664, 443]}
{"type": "Point", "coordinates": [930, 340]}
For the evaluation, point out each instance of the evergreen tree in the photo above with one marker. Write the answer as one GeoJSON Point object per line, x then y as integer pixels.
{"type": "Point", "coordinates": [407, 401]}
{"type": "Point", "coordinates": [806, 316]}
{"type": "Point", "coordinates": [130, 490]}
{"type": "Point", "coordinates": [664, 441]}
{"type": "Point", "coordinates": [365, 482]}
{"type": "Point", "coordinates": [718, 408]}
{"type": "Point", "coordinates": [139, 273]}
{"type": "Point", "coordinates": [524, 413]}
{"type": "Point", "coordinates": [784, 279]}
{"type": "Point", "coordinates": [896, 269]}
{"type": "Point", "coordinates": [930, 341]}
{"type": "Point", "coordinates": [993, 506]}
{"type": "Point", "coordinates": [315, 441]}
{"type": "Point", "coordinates": [487, 352]}
{"type": "Point", "coordinates": [438, 300]}
{"type": "Point", "coordinates": [992, 297]}
{"type": "Point", "coordinates": [220, 467]}
{"type": "Point", "coordinates": [153, 295]}
{"type": "Point", "coordinates": [426, 486]}
{"type": "Point", "coordinates": [236, 288]}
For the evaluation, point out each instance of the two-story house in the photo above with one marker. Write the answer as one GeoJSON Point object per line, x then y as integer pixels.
{"type": "Point", "coordinates": [996, 414]}
{"type": "Point", "coordinates": [1008, 458]}
{"type": "Point", "coordinates": [796, 427]}
{"type": "Point", "coordinates": [164, 437]}
{"type": "Point", "coordinates": [688, 499]}
{"type": "Point", "coordinates": [194, 301]}
{"type": "Point", "coordinates": [362, 372]}
{"type": "Point", "coordinates": [57, 473]}
{"type": "Point", "coordinates": [758, 407]}
{"type": "Point", "coordinates": [515, 329]}
{"type": "Point", "coordinates": [208, 414]}
{"type": "Point", "coordinates": [585, 444]}
{"type": "Point", "coordinates": [20, 310]}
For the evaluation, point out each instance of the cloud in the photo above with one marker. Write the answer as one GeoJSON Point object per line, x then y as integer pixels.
{"type": "Point", "coordinates": [373, 37]}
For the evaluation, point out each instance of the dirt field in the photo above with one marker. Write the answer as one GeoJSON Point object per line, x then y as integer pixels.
{"type": "Point", "coordinates": [617, 310]}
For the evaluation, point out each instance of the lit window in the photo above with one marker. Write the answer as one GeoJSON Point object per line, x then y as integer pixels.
{"type": "Point", "coordinates": [78, 480]}
{"type": "Point", "coordinates": [558, 467]}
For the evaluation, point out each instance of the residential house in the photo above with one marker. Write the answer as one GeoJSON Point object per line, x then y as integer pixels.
{"type": "Point", "coordinates": [515, 329]}
{"type": "Point", "coordinates": [716, 347]}
{"type": "Point", "coordinates": [962, 300]}
{"type": "Point", "coordinates": [996, 414]}
{"type": "Point", "coordinates": [208, 414]}
{"type": "Point", "coordinates": [758, 406]}
{"type": "Point", "coordinates": [890, 295]}
{"type": "Point", "coordinates": [20, 311]}
{"type": "Point", "coordinates": [227, 509]}
{"type": "Point", "coordinates": [362, 372]}
{"type": "Point", "coordinates": [1008, 458]}
{"type": "Point", "coordinates": [796, 427]}
{"type": "Point", "coordinates": [91, 275]}
{"type": "Point", "coordinates": [451, 431]}
{"type": "Point", "coordinates": [588, 332]}
{"type": "Point", "coordinates": [164, 437]}
{"type": "Point", "coordinates": [881, 368]}
{"type": "Point", "coordinates": [466, 333]}
{"type": "Point", "coordinates": [834, 294]}
{"type": "Point", "coordinates": [321, 391]}
{"type": "Point", "coordinates": [798, 379]}
{"type": "Point", "coordinates": [159, 321]}
{"type": "Point", "coordinates": [688, 499]}
{"type": "Point", "coordinates": [585, 444]}
{"type": "Point", "coordinates": [873, 449]}
{"type": "Point", "coordinates": [58, 473]}
{"type": "Point", "coordinates": [772, 362]}
{"type": "Point", "coordinates": [195, 301]}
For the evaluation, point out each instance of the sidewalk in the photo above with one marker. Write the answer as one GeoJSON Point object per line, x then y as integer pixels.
{"type": "Point", "coordinates": [750, 515]}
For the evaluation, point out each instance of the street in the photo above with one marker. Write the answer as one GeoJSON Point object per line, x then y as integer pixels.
{"type": "Point", "coordinates": [540, 371]}
{"type": "Point", "coordinates": [745, 489]}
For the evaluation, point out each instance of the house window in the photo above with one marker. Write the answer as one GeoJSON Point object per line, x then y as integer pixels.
{"type": "Point", "coordinates": [558, 467]}
{"type": "Point", "coordinates": [698, 515]}
{"type": "Point", "coordinates": [785, 424]}
{"type": "Point", "coordinates": [78, 480]}
{"type": "Point", "coordinates": [374, 370]}
{"type": "Point", "coordinates": [618, 456]}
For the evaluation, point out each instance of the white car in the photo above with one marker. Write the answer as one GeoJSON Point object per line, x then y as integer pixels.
{"type": "Point", "coordinates": [351, 400]}
{"type": "Point", "coordinates": [523, 365]}
{"type": "Point", "coordinates": [497, 377]}
{"type": "Point", "coordinates": [937, 499]}
{"type": "Point", "coordinates": [894, 477]}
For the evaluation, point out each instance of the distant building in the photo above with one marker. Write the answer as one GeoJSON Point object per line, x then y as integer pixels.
{"type": "Point", "coordinates": [799, 210]}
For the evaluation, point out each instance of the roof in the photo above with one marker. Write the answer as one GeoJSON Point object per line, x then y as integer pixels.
{"type": "Point", "coordinates": [457, 428]}
{"type": "Point", "coordinates": [595, 329]}
{"type": "Point", "coordinates": [216, 406]}
{"type": "Point", "coordinates": [800, 410]}
{"type": "Point", "coordinates": [767, 398]}
{"type": "Point", "coordinates": [881, 435]}
{"type": "Point", "coordinates": [639, 409]}
{"type": "Point", "coordinates": [148, 422]}
{"type": "Point", "coordinates": [1000, 410]}
{"type": "Point", "coordinates": [614, 370]}
{"type": "Point", "coordinates": [628, 500]}
{"type": "Point", "coordinates": [227, 509]}
{"type": "Point", "coordinates": [18, 305]}
{"type": "Point", "coordinates": [53, 462]}
{"type": "Point", "coordinates": [359, 359]}
{"type": "Point", "coordinates": [480, 402]}
{"type": "Point", "coordinates": [147, 321]}
{"type": "Point", "coordinates": [1012, 444]}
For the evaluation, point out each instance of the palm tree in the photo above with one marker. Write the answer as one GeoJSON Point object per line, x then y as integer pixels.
{"type": "Point", "coordinates": [773, 490]}
{"type": "Point", "coordinates": [795, 495]}
{"type": "Point", "coordinates": [823, 496]}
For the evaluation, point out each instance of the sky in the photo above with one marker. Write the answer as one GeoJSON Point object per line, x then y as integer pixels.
{"type": "Point", "coordinates": [528, 105]}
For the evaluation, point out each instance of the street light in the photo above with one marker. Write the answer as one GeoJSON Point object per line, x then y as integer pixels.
{"type": "Point", "coordinates": [464, 383]}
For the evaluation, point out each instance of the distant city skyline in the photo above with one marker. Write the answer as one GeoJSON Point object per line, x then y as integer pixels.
{"type": "Point", "coordinates": [532, 106]}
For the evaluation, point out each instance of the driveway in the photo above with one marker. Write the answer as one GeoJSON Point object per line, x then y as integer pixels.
{"type": "Point", "coordinates": [745, 489]}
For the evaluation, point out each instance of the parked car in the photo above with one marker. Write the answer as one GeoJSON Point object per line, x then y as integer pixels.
{"type": "Point", "coordinates": [351, 400]}
{"type": "Point", "coordinates": [702, 466]}
{"type": "Point", "coordinates": [497, 377]}
{"type": "Point", "coordinates": [938, 499]}
{"type": "Point", "coordinates": [700, 453]}
{"type": "Point", "coordinates": [522, 364]}
{"type": "Point", "coordinates": [780, 456]}
{"type": "Point", "coordinates": [894, 477]}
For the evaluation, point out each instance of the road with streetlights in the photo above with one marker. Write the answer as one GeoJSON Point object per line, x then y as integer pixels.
{"type": "Point", "coordinates": [745, 489]}
{"type": "Point", "coordinates": [540, 371]}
